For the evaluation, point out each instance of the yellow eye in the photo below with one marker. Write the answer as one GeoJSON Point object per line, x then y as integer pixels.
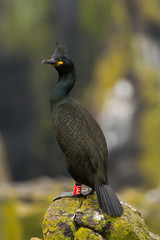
{"type": "Point", "coordinates": [60, 59]}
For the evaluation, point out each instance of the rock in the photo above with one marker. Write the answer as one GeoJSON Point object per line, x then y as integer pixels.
{"type": "Point", "coordinates": [80, 218]}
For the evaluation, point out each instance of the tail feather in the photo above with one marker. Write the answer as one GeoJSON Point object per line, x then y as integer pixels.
{"type": "Point", "coordinates": [108, 201]}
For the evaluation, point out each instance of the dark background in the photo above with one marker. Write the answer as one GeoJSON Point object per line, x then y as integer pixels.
{"type": "Point", "coordinates": [110, 42]}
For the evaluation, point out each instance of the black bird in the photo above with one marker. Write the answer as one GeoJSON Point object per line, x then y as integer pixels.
{"type": "Point", "coordinates": [80, 137]}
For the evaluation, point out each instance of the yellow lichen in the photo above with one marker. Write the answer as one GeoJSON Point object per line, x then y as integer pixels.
{"type": "Point", "coordinates": [84, 233]}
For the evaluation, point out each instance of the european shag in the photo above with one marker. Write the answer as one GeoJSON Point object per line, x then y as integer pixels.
{"type": "Point", "coordinates": [80, 137]}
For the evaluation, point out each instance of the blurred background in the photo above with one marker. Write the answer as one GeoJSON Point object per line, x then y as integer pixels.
{"type": "Point", "coordinates": [115, 46]}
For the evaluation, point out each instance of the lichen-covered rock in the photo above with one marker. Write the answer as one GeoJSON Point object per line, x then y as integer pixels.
{"type": "Point", "coordinates": [86, 233]}
{"type": "Point", "coordinates": [59, 219]}
{"type": "Point", "coordinates": [80, 218]}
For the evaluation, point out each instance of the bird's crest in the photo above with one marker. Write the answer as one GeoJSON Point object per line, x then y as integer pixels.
{"type": "Point", "coordinates": [60, 49]}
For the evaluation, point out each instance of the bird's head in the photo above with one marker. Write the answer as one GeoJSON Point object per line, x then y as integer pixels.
{"type": "Point", "coordinates": [60, 60]}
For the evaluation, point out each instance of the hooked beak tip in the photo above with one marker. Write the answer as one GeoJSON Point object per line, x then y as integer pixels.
{"type": "Point", "coordinates": [49, 61]}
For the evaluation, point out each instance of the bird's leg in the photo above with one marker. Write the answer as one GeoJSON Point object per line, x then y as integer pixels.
{"type": "Point", "coordinates": [77, 189]}
{"type": "Point", "coordinates": [65, 195]}
{"type": "Point", "coordinates": [77, 192]}
{"type": "Point", "coordinates": [84, 192]}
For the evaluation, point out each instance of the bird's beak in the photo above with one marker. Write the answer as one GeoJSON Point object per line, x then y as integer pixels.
{"type": "Point", "coordinates": [53, 62]}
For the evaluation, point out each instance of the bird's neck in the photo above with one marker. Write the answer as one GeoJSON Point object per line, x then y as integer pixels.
{"type": "Point", "coordinates": [63, 87]}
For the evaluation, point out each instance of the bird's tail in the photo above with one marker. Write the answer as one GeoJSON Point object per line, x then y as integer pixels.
{"type": "Point", "coordinates": [108, 201]}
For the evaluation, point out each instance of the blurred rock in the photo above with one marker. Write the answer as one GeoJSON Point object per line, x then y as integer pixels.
{"type": "Point", "coordinates": [39, 188]}
{"type": "Point", "coordinates": [79, 218]}
{"type": "Point", "coordinates": [153, 195]}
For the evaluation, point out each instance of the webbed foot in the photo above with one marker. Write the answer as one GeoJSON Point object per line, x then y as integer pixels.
{"type": "Point", "coordinates": [84, 193]}
{"type": "Point", "coordinates": [66, 195]}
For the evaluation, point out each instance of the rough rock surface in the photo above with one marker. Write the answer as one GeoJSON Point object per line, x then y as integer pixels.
{"type": "Point", "coordinates": [80, 218]}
